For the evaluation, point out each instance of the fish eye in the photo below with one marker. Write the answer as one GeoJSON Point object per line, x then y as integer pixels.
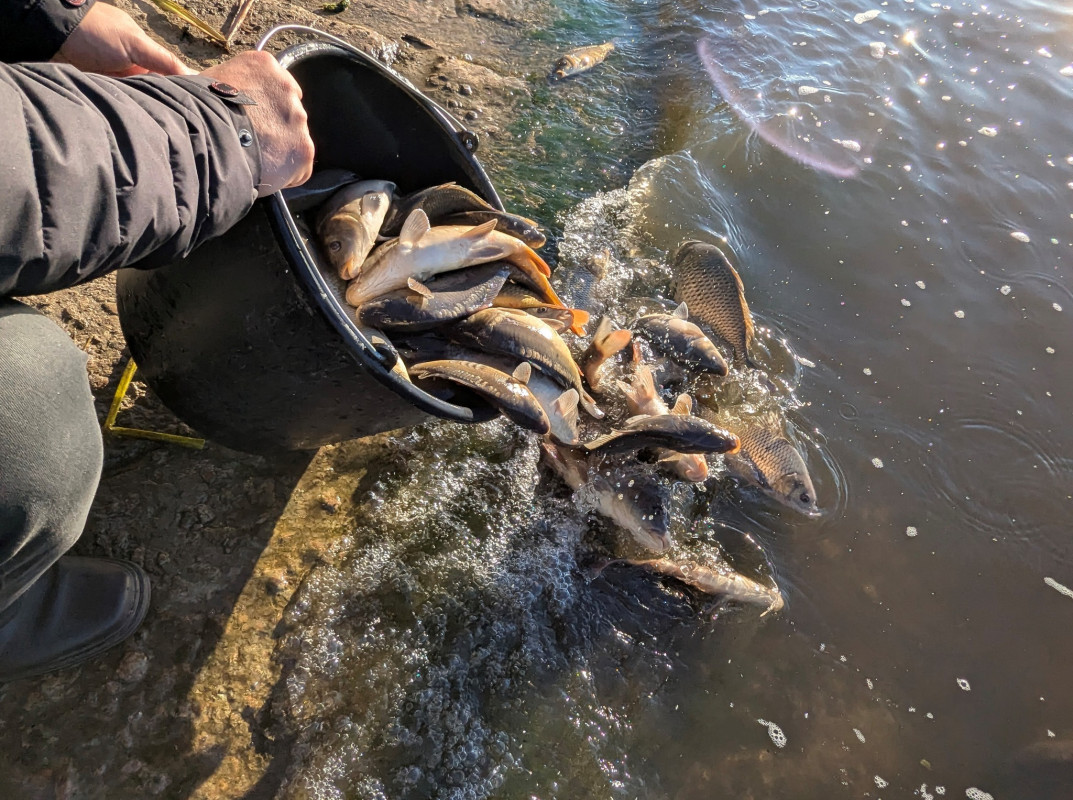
{"type": "Point", "coordinates": [335, 246]}
{"type": "Point", "coordinates": [805, 498]}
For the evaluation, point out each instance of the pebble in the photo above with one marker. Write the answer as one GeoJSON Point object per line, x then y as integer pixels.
{"type": "Point", "coordinates": [133, 667]}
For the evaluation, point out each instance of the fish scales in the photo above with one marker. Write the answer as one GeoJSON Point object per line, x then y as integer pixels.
{"type": "Point", "coordinates": [679, 432]}
{"type": "Point", "coordinates": [705, 281]}
{"type": "Point", "coordinates": [683, 341]}
{"type": "Point", "coordinates": [454, 296]}
{"type": "Point", "coordinates": [437, 202]}
{"type": "Point", "coordinates": [582, 59]}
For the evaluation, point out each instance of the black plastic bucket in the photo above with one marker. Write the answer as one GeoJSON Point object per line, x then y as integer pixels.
{"type": "Point", "coordinates": [245, 340]}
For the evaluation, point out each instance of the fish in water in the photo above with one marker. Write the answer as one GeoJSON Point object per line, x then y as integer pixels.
{"type": "Point", "coordinates": [422, 251]}
{"type": "Point", "coordinates": [321, 185]}
{"type": "Point", "coordinates": [519, 227]}
{"type": "Point", "coordinates": [635, 502]}
{"type": "Point", "coordinates": [515, 333]}
{"type": "Point", "coordinates": [713, 292]}
{"type": "Point", "coordinates": [507, 392]}
{"type": "Point", "coordinates": [437, 202]}
{"type": "Point", "coordinates": [348, 224]}
{"type": "Point", "coordinates": [454, 295]}
{"type": "Point", "coordinates": [581, 59]}
{"type": "Point", "coordinates": [606, 342]}
{"type": "Point", "coordinates": [682, 340]}
{"type": "Point", "coordinates": [679, 432]}
{"type": "Point", "coordinates": [769, 460]}
{"type": "Point", "coordinates": [643, 399]}
{"type": "Point", "coordinates": [718, 582]}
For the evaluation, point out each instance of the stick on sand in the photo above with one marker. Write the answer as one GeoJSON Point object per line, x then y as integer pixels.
{"type": "Point", "coordinates": [237, 17]}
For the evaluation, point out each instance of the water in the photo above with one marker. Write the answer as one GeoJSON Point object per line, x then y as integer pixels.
{"type": "Point", "coordinates": [919, 316]}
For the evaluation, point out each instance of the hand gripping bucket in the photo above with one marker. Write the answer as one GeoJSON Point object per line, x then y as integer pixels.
{"type": "Point", "coordinates": [245, 340]}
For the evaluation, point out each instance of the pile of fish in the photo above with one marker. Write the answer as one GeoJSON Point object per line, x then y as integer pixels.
{"type": "Point", "coordinates": [453, 288]}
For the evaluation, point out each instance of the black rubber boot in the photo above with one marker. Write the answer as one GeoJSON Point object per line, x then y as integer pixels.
{"type": "Point", "coordinates": [78, 609]}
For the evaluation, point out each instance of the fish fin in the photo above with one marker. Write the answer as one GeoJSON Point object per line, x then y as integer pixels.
{"type": "Point", "coordinates": [635, 353]}
{"type": "Point", "coordinates": [602, 329]}
{"type": "Point", "coordinates": [600, 441]}
{"type": "Point", "coordinates": [590, 405]}
{"type": "Point", "coordinates": [748, 360]}
{"type": "Point", "coordinates": [535, 259]}
{"type": "Point", "coordinates": [416, 226]}
{"type": "Point", "coordinates": [523, 372]}
{"type": "Point", "coordinates": [480, 231]}
{"type": "Point", "coordinates": [644, 384]}
{"type": "Point", "coordinates": [578, 319]}
{"type": "Point", "coordinates": [536, 274]}
{"type": "Point", "coordinates": [566, 405]}
{"type": "Point", "coordinates": [682, 312]}
{"type": "Point", "coordinates": [683, 405]}
{"type": "Point", "coordinates": [635, 418]}
{"type": "Point", "coordinates": [416, 286]}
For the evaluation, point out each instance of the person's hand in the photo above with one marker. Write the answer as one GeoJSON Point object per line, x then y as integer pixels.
{"type": "Point", "coordinates": [108, 41]}
{"type": "Point", "coordinates": [278, 119]}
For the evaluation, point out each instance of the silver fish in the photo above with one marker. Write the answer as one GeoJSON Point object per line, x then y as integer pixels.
{"type": "Point", "coordinates": [507, 392]}
{"type": "Point", "coordinates": [678, 432]}
{"type": "Point", "coordinates": [683, 341]}
{"type": "Point", "coordinates": [453, 296]}
{"type": "Point", "coordinates": [636, 503]}
{"type": "Point", "coordinates": [515, 333]}
{"type": "Point", "coordinates": [724, 582]}
{"type": "Point", "coordinates": [705, 280]}
{"type": "Point", "coordinates": [582, 59]}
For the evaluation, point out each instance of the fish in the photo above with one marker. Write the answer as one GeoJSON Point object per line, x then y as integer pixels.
{"type": "Point", "coordinates": [769, 461]}
{"type": "Point", "coordinates": [454, 295]}
{"type": "Point", "coordinates": [581, 59]}
{"type": "Point", "coordinates": [515, 333]}
{"type": "Point", "coordinates": [719, 582]}
{"type": "Point", "coordinates": [320, 186]}
{"type": "Point", "coordinates": [507, 392]}
{"type": "Point", "coordinates": [635, 502]}
{"type": "Point", "coordinates": [421, 251]}
{"type": "Point", "coordinates": [437, 202]}
{"type": "Point", "coordinates": [606, 342]}
{"type": "Point", "coordinates": [517, 226]}
{"type": "Point", "coordinates": [682, 340]}
{"type": "Point", "coordinates": [712, 289]}
{"type": "Point", "coordinates": [349, 221]}
{"type": "Point", "coordinates": [679, 432]}
{"type": "Point", "coordinates": [643, 400]}
{"type": "Point", "coordinates": [524, 296]}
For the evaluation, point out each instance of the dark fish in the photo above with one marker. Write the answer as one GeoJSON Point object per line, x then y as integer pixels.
{"type": "Point", "coordinates": [519, 227]}
{"type": "Point", "coordinates": [768, 460]}
{"type": "Point", "coordinates": [683, 341]}
{"type": "Point", "coordinates": [705, 280]}
{"type": "Point", "coordinates": [582, 59]}
{"type": "Point", "coordinates": [508, 393]}
{"type": "Point", "coordinates": [679, 432]}
{"type": "Point", "coordinates": [437, 202]}
{"type": "Point", "coordinates": [455, 295]}
{"type": "Point", "coordinates": [606, 342]}
{"type": "Point", "coordinates": [515, 333]}
{"type": "Point", "coordinates": [633, 500]}
{"type": "Point", "coordinates": [320, 186]}
{"type": "Point", "coordinates": [720, 582]}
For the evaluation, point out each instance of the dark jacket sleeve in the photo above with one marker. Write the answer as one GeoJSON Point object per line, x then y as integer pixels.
{"type": "Point", "coordinates": [100, 173]}
{"type": "Point", "coordinates": [33, 30]}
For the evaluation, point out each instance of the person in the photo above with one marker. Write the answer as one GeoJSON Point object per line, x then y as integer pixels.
{"type": "Point", "coordinates": [113, 153]}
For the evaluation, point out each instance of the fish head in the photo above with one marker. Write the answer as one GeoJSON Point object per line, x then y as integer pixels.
{"type": "Point", "coordinates": [692, 467]}
{"type": "Point", "coordinates": [345, 239]}
{"type": "Point", "coordinates": [794, 489]}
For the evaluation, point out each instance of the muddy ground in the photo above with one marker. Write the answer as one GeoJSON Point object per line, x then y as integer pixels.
{"type": "Point", "coordinates": [179, 709]}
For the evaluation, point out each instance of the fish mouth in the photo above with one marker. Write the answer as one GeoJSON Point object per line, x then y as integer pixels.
{"type": "Point", "coordinates": [657, 539]}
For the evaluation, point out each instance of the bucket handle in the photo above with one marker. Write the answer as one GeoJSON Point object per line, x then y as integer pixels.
{"type": "Point", "coordinates": [466, 137]}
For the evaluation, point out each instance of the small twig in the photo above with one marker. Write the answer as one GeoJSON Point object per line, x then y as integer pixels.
{"type": "Point", "coordinates": [236, 18]}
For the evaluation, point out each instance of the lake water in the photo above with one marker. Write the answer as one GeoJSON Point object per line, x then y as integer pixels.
{"type": "Point", "coordinates": [895, 182]}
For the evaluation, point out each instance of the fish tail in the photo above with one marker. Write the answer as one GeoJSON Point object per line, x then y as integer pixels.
{"type": "Point", "coordinates": [578, 319]}
{"type": "Point", "coordinates": [533, 272]}
{"type": "Point", "coordinates": [589, 405]}
{"type": "Point", "coordinates": [609, 341]}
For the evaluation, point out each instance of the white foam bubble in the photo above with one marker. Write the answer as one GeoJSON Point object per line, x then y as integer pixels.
{"type": "Point", "coordinates": [1058, 587]}
{"type": "Point", "coordinates": [1021, 236]}
{"type": "Point", "coordinates": [866, 16]}
{"type": "Point", "coordinates": [906, 303]}
{"type": "Point", "coordinates": [989, 130]}
{"type": "Point", "coordinates": [977, 794]}
{"type": "Point", "coordinates": [778, 738]}
{"type": "Point", "coordinates": [1056, 306]}
{"type": "Point", "coordinates": [807, 90]}
{"type": "Point", "coordinates": [1005, 288]}
{"type": "Point", "coordinates": [859, 735]}
{"type": "Point", "coordinates": [911, 531]}
{"type": "Point", "coordinates": [964, 685]}
{"type": "Point", "coordinates": [877, 463]}
{"type": "Point", "coordinates": [921, 285]}
{"type": "Point", "coordinates": [959, 314]}
{"type": "Point", "coordinates": [882, 784]}
{"type": "Point", "coordinates": [877, 49]}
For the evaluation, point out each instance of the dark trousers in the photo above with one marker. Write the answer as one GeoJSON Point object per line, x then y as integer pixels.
{"type": "Point", "coordinates": [50, 446]}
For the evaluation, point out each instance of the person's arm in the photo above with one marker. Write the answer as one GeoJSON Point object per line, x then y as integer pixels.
{"type": "Point", "coordinates": [35, 30]}
{"type": "Point", "coordinates": [100, 173]}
